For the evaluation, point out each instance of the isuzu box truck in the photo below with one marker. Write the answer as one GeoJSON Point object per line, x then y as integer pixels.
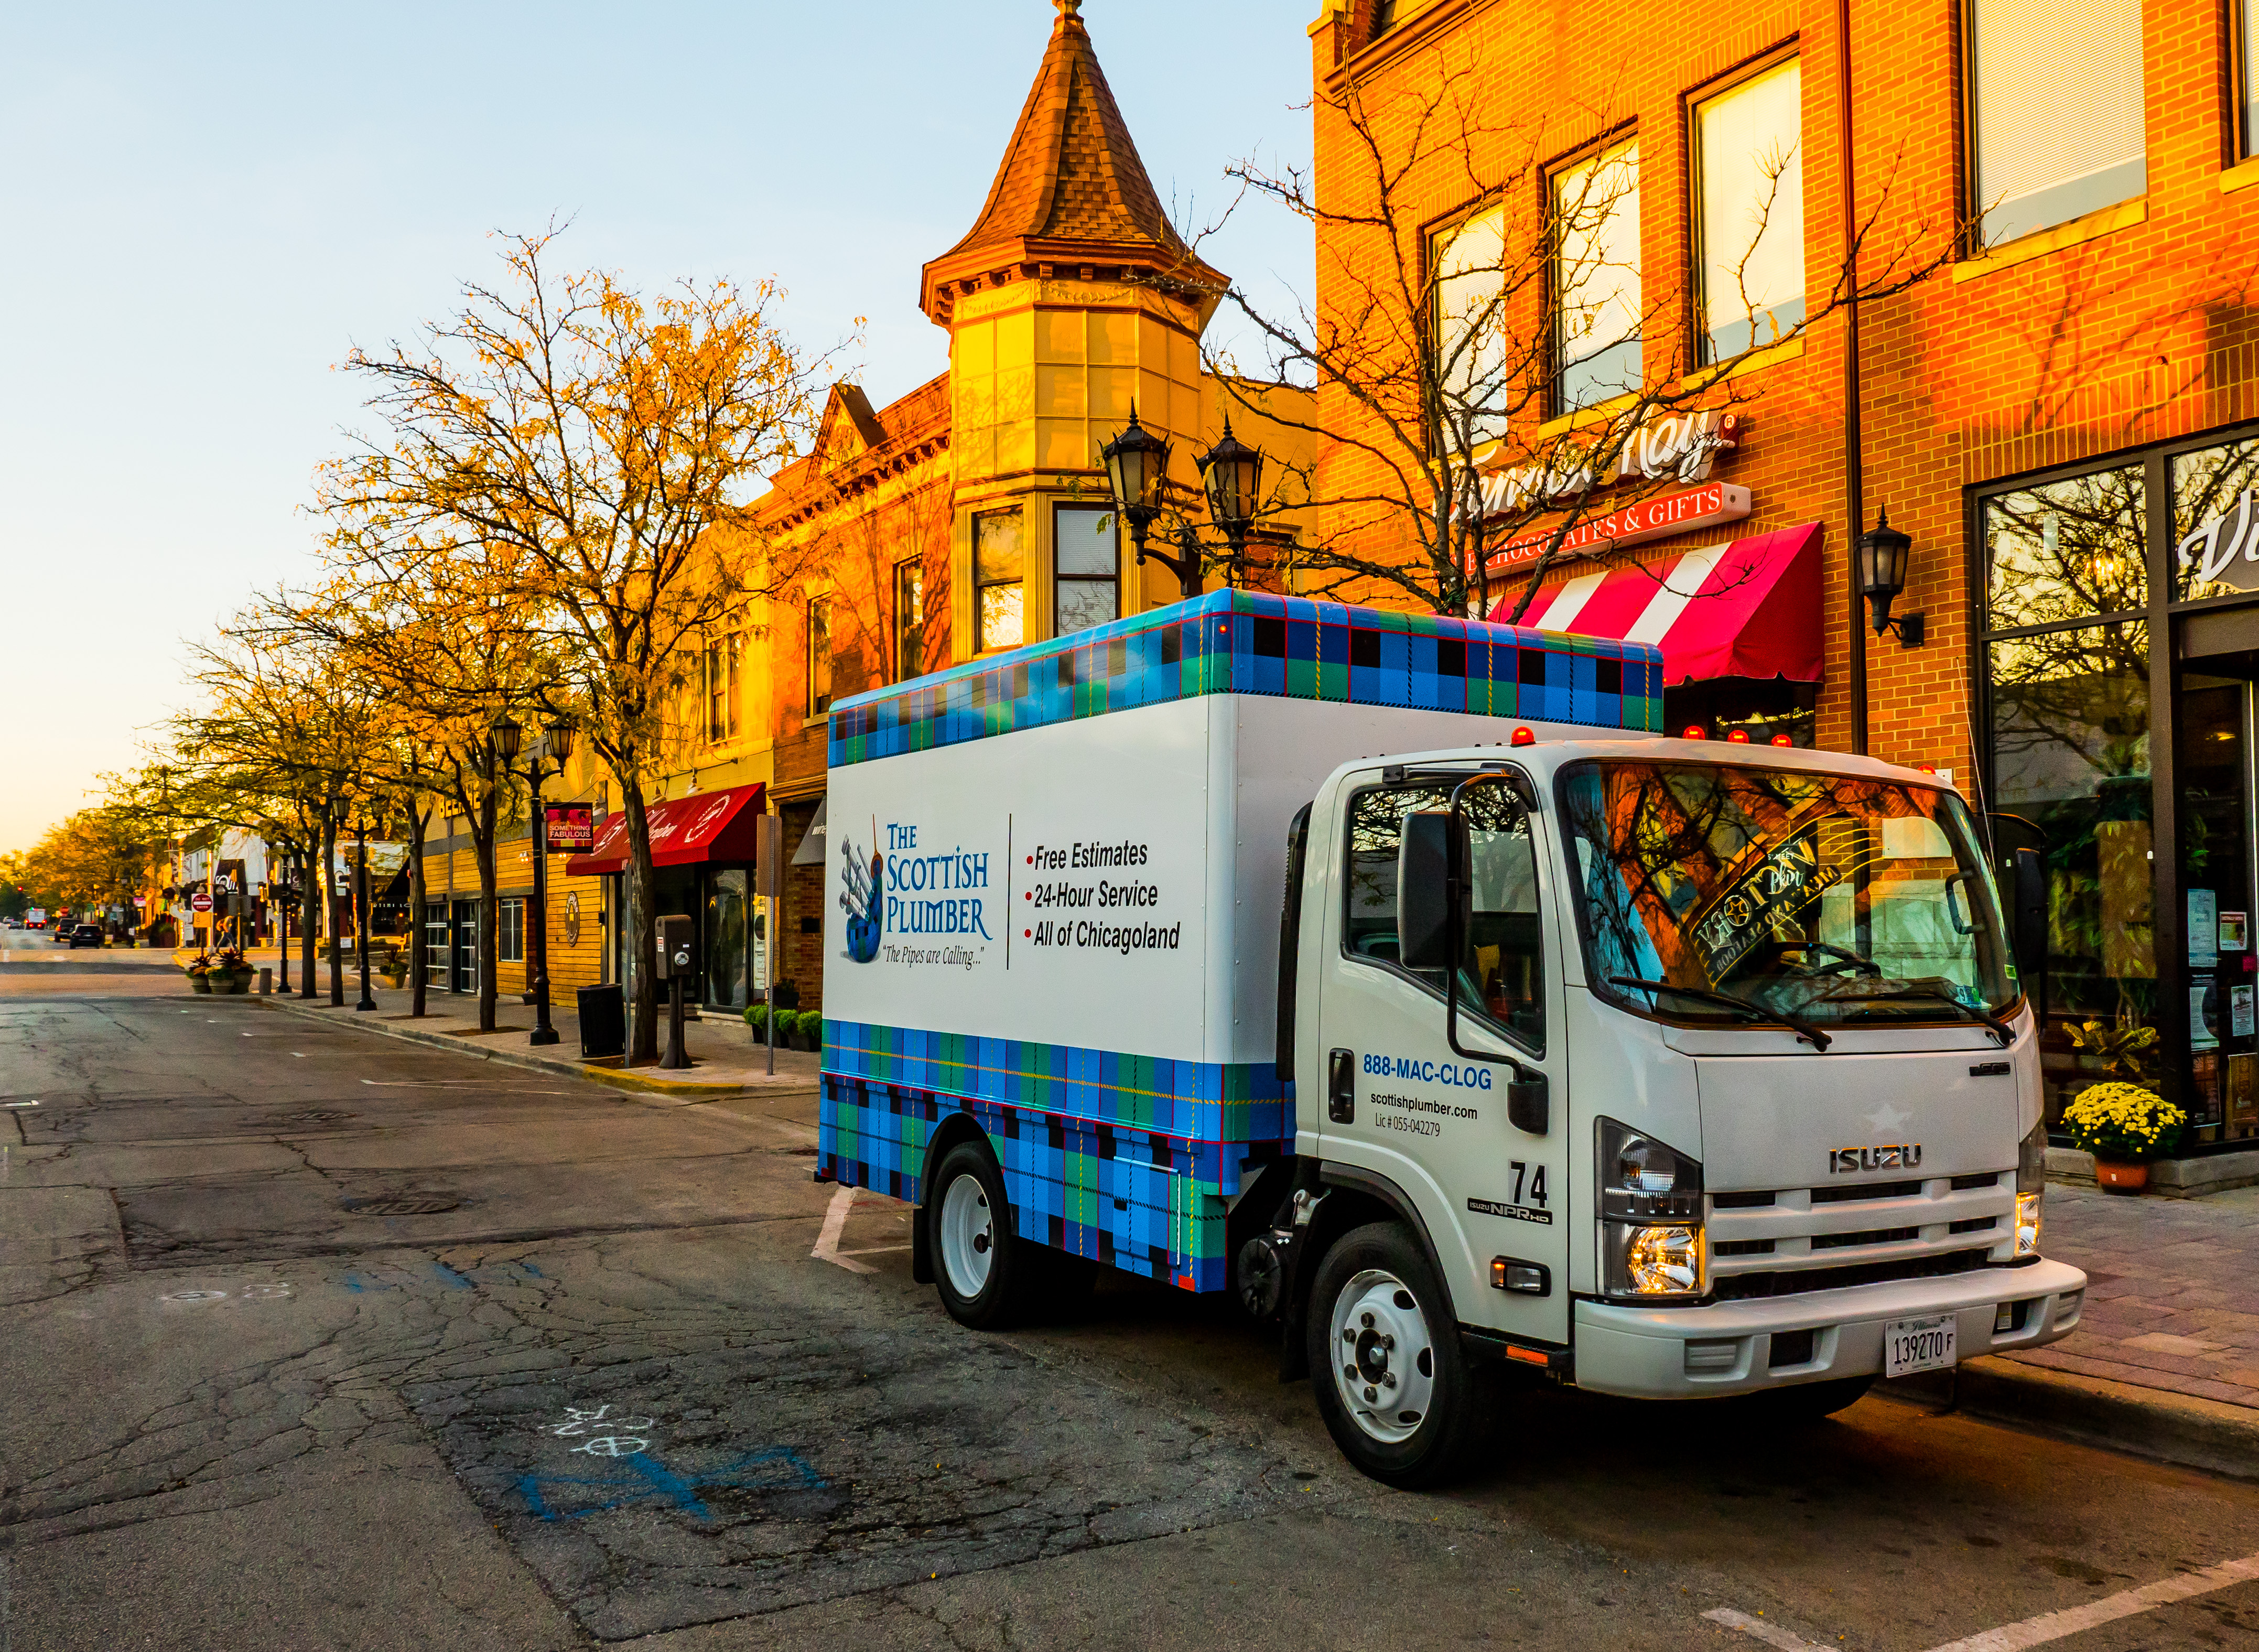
{"type": "Point", "coordinates": [1395, 973]}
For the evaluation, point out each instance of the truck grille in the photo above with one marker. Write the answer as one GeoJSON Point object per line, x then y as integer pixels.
{"type": "Point", "coordinates": [1774, 1242]}
{"type": "Point", "coordinates": [1742, 1286]}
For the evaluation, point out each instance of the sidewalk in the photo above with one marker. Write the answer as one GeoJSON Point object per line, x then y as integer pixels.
{"type": "Point", "coordinates": [2165, 1358]}
{"type": "Point", "coordinates": [725, 1060]}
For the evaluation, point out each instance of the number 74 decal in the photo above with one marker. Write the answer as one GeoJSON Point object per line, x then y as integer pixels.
{"type": "Point", "coordinates": [1528, 1201]}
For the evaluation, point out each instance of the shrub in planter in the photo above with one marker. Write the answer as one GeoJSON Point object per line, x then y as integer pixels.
{"type": "Point", "coordinates": [2124, 1127]}
{"type": "Point", "coordinates": [786, 994]}
{"type": "Point", "coordinates": [757, 1025]}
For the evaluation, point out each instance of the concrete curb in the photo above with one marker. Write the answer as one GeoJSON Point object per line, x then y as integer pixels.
{"type": "Point", "coordinates": [2150, 1422]}
{"type": "Point", "coordinates": [568, 1068]}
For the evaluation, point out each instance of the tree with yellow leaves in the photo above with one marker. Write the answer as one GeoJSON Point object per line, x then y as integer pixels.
{"type": "Point", "coordinates": [590, 444]}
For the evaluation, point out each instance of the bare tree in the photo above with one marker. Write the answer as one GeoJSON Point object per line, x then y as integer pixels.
{"type": "Point", "coordinates": [1502, 381]}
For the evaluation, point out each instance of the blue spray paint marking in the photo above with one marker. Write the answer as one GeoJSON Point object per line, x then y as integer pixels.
{"type": "Point", "coordinates": [772, 1469]}
{"type": "Point", "coordinates": [358, 1282]}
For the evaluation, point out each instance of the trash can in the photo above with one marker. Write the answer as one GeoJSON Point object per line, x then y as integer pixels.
{"type": "Point", "coordinates": [603, 1021]}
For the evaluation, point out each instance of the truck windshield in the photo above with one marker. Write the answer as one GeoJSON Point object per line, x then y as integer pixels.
{"type": "Point", "coordinates": [1827, 898]}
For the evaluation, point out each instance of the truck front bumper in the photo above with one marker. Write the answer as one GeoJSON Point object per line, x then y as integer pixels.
{"type": "Point", "coordinates": [1728, 1348]}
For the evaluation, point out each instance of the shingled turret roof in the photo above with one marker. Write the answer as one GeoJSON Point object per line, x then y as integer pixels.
{"type": "Point", "coordinates": [1071, 192]}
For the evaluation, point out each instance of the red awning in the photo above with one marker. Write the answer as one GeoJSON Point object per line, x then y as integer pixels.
{"type": "Point", "coordinates": [684, 831]}
{"type": "Point", "coordinates": [1750, 608]}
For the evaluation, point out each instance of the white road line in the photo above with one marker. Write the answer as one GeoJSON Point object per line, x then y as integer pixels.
{"type": "Point", "coordinates": [1772, 1634]}
{"type": "Point", "coordinates": [2051, 1626]}
{"type": "Point", "coordinates": [835, 1223]}
{"type": "Point", "coordinates": [2054, 1626]}
{"type": "Point", "coordinates": [23, 1104]}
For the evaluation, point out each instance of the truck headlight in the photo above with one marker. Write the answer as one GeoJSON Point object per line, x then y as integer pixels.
{"type": "Point", "coordinates": [2031, 1189]}
{"type": "Point", "coordinates": [1652, 1244]}
{"type": "Point", "coordinates": [1655, 1259]}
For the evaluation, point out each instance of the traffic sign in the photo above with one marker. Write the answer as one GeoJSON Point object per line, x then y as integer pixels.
{"type": "Point", "coordinates": [201, 901]}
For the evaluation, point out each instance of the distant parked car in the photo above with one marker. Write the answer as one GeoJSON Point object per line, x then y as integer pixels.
{"type": "Point", "coordinates": [86, 935]}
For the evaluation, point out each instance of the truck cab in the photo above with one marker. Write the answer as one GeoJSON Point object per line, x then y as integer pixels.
{"type": "Point", "coordinates": [1665, 1068]}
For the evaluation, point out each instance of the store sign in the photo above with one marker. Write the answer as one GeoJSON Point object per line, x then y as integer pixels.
{"type": "Point", "coordinates": [2225, 551]}
{"type": "Point", "coordinates": [1680, 448]}
{"type": "Point", "coordinates": [571, 827]}
{"type": "Point", "coordinates": [1657, 518]}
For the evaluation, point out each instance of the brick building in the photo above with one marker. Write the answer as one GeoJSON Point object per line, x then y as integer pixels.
{"type": "Point", "coordinates": [2059, 412]}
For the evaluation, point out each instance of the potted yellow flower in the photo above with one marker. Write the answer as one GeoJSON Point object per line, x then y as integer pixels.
{"type": "Point", "coordinates": [2124, 1127]}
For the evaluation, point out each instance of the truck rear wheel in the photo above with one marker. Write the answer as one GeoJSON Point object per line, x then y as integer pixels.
{"type": "Point", "coordinates": [984, 1274]}
{"type": "Point", "coordinates": [1396, 1392]}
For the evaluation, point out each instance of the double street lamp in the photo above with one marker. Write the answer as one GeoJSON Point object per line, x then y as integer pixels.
{"type": "Point", "coordinates": [557, 737]}
{"type": "Point", "coordinates": [1231, 474]}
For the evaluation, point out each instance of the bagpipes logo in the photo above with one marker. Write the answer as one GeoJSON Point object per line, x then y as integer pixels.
{"type": "Point", "coordinates": [863, 895]}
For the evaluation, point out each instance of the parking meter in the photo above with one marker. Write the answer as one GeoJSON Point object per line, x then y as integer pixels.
{"type": "Point", "coordinates": [675, 939]}
{"type": "Point", "coordinates": [675, 942]}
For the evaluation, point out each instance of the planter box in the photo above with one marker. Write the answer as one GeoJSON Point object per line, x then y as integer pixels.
{"type": "Point", "coordinates": [199, 984]}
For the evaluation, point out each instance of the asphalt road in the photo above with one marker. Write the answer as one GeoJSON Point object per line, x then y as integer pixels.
{"type": "Point", "coordinates": [312, 1339]}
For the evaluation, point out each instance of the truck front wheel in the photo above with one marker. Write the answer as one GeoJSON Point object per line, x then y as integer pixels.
{"type": "Point", "coordinates": [982, 1271]}
{"type": "Point", "coordinates": [1397, 1395]}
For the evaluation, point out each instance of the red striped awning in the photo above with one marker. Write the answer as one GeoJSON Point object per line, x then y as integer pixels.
{"type": "Point", "coordinates": [684, 831]}
{"type": "Point", "coordinates": [1750, 608]}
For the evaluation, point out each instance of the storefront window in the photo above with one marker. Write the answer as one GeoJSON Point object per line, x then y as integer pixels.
{"type": "Point", "coordinates": [2070, 758]}
{"type": "Point", "coordinates": [1087, 566]}
{"type": "Point", "coordinates": [2066, 549]}
{"type": "Point", "coordinates": [1596, 287]}
{"type": "Point", "coordinates": [2216, 522]}
{"type": "Point", "coordinates": [998, 569]}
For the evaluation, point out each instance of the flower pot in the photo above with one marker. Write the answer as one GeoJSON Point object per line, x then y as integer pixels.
{"type": "Point", "coordinates": [199, 984]}
{"type": "Point", "coordinates": [2114, 1178]}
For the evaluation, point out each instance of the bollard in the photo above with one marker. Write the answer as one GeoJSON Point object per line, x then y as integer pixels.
{"type": "Point", "coordinates": [266, 982]}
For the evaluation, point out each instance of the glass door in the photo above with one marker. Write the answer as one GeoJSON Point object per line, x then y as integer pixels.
{"type": "Point", "coordinates": [2212, 735]}
{"type": "Point", "coordinates": [727, 971]}
{"type": "Point", "coordinates": [464, 978]}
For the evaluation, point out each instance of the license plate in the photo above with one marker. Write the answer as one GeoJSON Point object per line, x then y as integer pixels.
{"type": "Point", "coordinates": [1912, 1345]}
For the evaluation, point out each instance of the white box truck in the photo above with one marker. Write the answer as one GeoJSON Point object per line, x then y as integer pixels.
{"type": "Point", "coordinates": [1396, 973]}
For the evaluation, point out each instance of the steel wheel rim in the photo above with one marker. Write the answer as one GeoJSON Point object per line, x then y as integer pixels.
{"type": "Point", "coordinates": [968, 1235]}
{"type": "Point", "coordinates": [1384, 1359]}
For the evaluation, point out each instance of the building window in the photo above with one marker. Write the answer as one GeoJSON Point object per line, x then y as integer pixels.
{"type": "Point", "coordinates": [2066, 660]}
{"type": "Point", "coordinates": [2247, 61]}
{"type": "Point", "coordinates": [819, 656]}
{"type": "Point", "coordinates": [2056, 95]}
{"type": "Point", "coordinates": [1468, 295]}
{"type": "Point", "coordinates": [909, 620]}
{"type": "Point", "coordinates": [1596, 289]}
{"type": "Point", "coordinates": [509, 936]}
{"type": "Point", "coordinates": [1089, 567]}
{"type": "Point", "coordinates": [1750, 206]}
{"type": "Point", "coordinates": [999, 570]}
{"type": "Point", "coordinates": [723, 664]}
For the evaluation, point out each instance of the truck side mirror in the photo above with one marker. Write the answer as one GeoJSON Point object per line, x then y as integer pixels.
{"type": "Point", "coordinates": [1424, 892]}
{"type": "Point", "coordinates": [2029, 925]}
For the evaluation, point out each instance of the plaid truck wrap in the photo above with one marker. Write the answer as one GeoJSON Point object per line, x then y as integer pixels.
{"type": "Point", "coordinates": [1252, 643]}
{"type": "Point", "coordinates": [1126, 1160]}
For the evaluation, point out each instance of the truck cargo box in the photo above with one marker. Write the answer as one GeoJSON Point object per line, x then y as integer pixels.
{"type": "Point", "coordinates": [1052, 891]}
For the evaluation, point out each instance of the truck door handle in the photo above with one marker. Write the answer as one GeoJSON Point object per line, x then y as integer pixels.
{"type": "Point", "coordinates": [1340, 1087]}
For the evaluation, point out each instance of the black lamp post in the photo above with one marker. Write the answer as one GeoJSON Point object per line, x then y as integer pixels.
{"type": "Point", "coordinates": [336, 811]}
{"type": "Point", "coordinates": [1232, 473]}
{"type": "Point", "coordinates": [1881, 554]}
{"type": "Point", "coordinates": [1137, 470]}
{"type": "Point", "coordinates": [557, 737]}
{"type": "Point", "coordinates": [362, 901]}
{"type": "Point", "coordinates": [278, 892]}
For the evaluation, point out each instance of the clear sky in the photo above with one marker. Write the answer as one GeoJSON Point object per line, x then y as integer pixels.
{"type": "Point", "coordinates": [204, 206]}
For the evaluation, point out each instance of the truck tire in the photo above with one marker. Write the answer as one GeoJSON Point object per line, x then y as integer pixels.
{"type": "Point", "coordinates": [984, 1275]}
{"type": "Point", "coordinates": [1397, 1393]}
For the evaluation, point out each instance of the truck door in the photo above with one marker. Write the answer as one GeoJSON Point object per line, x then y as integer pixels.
{"type": "Point", "coordinates": [1399, 1101]}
